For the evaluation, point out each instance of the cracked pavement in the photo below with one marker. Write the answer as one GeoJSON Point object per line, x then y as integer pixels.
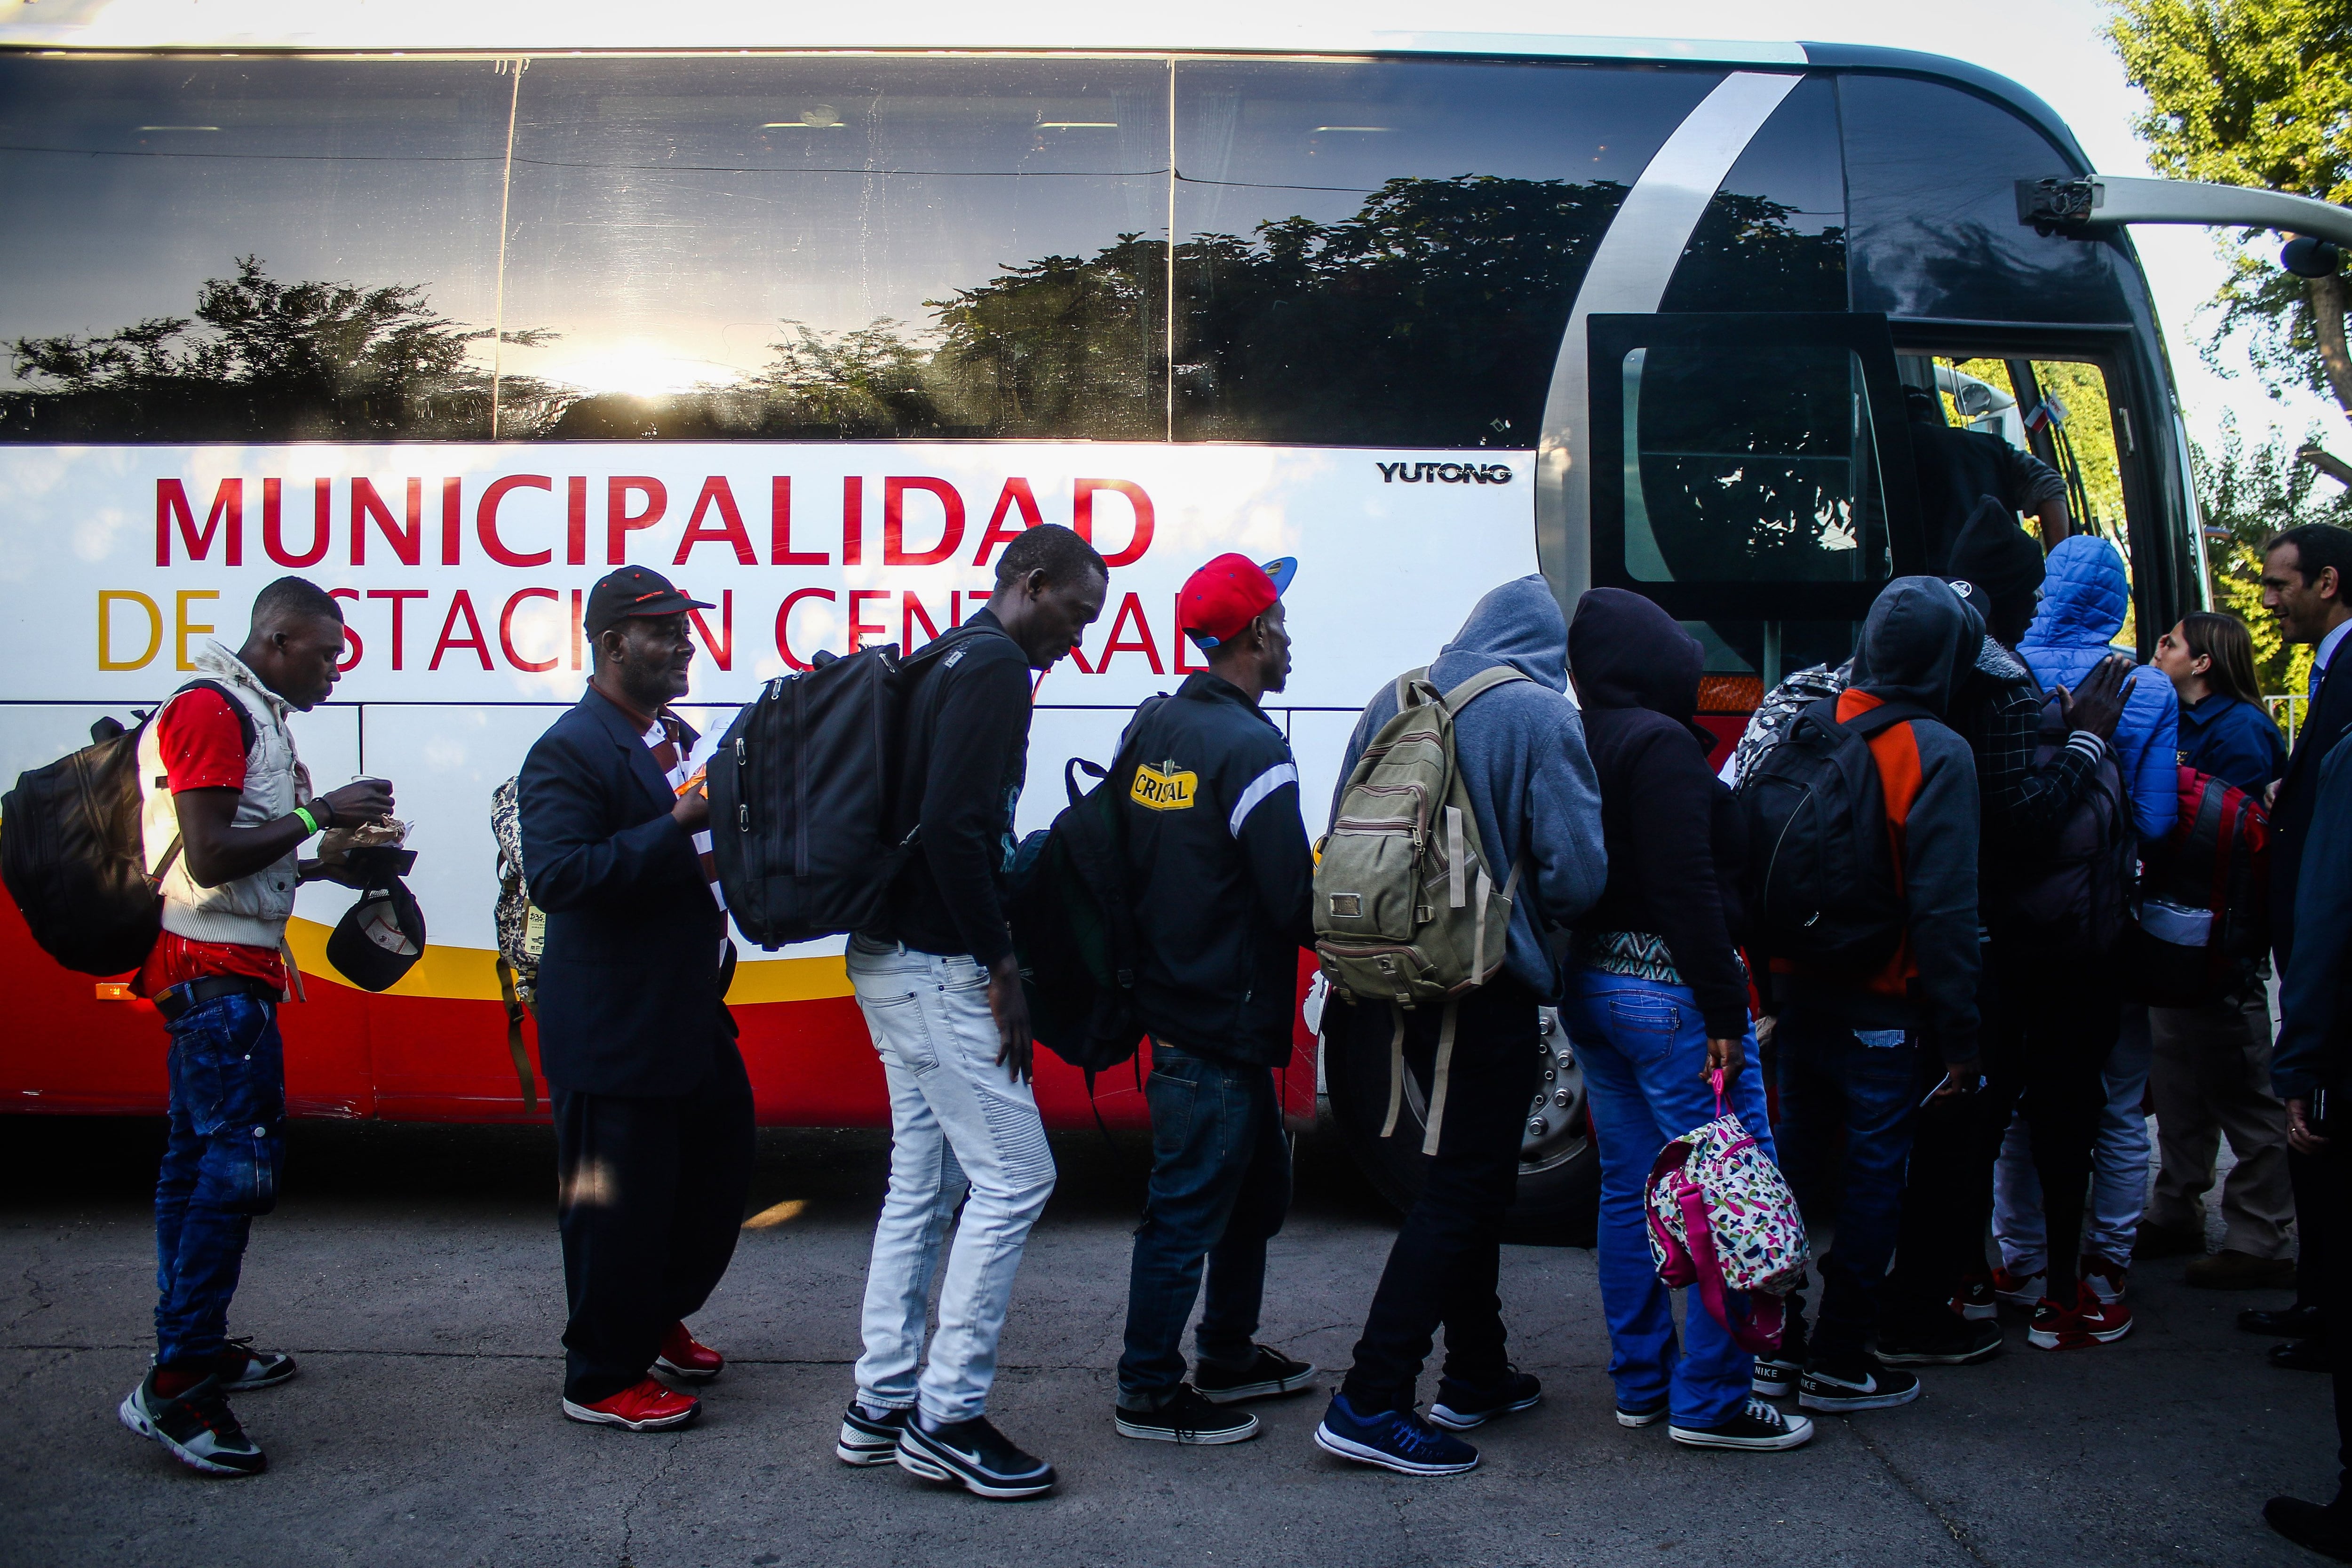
{"type": "Point", "coordinates": [414, 1271]}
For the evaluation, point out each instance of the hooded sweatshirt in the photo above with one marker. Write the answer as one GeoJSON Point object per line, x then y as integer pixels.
{"type": "Point", "coordinates": [1674, 836]}
{"type": "Point", "coordinates": [1917, 645]}
{"type": "Point", "coordinates": [1520, 747]}
{"type": "Point", "coordinates": [2082, 604]}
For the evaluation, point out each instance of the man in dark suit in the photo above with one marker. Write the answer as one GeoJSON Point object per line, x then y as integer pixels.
{"type": "Point", "coordinates": [2306, 571]}
{"type": "Point", "coordinates": [653, 1111]}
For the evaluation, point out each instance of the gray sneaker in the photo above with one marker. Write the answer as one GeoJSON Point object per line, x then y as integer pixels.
{"type": "Point", "coordinates": [197, 1427]}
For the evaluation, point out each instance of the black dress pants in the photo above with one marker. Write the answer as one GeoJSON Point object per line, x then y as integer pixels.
{"type": "Point", "coordinates": [2047, 1032]}
{"type": "Point", "coordinates": [1444, 1266]}
{"type": "Point", "coordinates": [650, 1193]}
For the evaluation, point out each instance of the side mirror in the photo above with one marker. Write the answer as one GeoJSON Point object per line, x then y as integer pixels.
{"type": "Point", "coordinates": [2307, 256]}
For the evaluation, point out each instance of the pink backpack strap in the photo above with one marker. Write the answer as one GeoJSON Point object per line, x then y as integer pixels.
{"type": "Point", "coordinates": [1759, 1329]}
{"type": "Point", "coordinates": [1678, 1269]}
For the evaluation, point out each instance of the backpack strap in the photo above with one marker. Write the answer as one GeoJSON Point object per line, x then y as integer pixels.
{"type": "Point", "coordinates": [1885, 716]}
{"type": "Point", "coordinates": [514, 1036]}
{"type": "Point", "coordinates": [1438, 1075]}
{"type": "Point", "coordinates": [1406, 682]}
{"type": "Point", "coordinates": [1485, 680]}
{"type": "Point", "coordinates": [1396, 1071]}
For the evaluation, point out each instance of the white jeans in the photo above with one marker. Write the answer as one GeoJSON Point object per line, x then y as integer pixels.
{"type": "Point", "coordinates": [2118, 1167]}
{"type": "Point", "coordinates": [957, 1123]}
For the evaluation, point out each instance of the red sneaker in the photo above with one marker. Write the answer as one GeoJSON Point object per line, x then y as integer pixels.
{"type": "Point", "coordinates": [643, 1406]}
{"type": "Point", "coordinates": [2105, 1276]}
{"type": "Point", "coordinates": [683, 1355]}
{"type": "Point", "coordinates": [2019, 1289]}
{"type": "Point", "coordinates": [2090, 1322]}
{"type": "Point", "coordinates": [1975, 1302]}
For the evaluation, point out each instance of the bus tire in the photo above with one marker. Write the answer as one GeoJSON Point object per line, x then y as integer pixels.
{"type": "Point", "coordinates": [1558, 1198]}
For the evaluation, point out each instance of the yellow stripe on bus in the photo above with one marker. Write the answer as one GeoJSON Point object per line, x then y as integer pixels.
{"type": "Point", "coordinates": [471, 973]}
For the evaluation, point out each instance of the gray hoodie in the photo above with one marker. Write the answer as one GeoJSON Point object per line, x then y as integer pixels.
{"type": "Point", "coordinates": [1520, 747]}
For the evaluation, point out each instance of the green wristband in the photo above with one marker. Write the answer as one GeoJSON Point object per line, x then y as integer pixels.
{"type": "Point", "coordinates": [309, 821]}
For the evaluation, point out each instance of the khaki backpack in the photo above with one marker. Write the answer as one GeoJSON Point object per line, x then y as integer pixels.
{"type": "Point", "coordinates": [1407, 909]}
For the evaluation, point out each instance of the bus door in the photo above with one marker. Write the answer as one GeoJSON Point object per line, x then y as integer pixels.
{"type": "Point", "coordinates": [2064, 398]}
{"type": "Point", "coordinates": [1751, 475]}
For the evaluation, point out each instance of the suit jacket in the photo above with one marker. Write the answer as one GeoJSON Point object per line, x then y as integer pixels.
{"type": "Point", "coordinates": [2328, 720]}
{"type": "Point", "coordinates": [629, 995]}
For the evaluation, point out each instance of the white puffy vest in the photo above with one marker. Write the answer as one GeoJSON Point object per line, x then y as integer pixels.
{"type": "Point", "coordinates": [253, 908]}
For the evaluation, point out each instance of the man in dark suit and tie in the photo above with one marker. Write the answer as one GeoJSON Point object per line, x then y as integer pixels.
{"type": "Point", "coordinates": [653, 1111]}
{"type": "Point", "coordinates": [2307, 572]}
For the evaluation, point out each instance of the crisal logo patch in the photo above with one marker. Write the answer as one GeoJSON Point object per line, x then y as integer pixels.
{"type": "Point", "coordinates": [1163, 788]}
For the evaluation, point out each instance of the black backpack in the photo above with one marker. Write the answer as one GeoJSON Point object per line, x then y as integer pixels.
{"type": "Point", "coordinates": [2075, 904]}
{"type": "Point", "coordinates": [72, 855]}
{"type": "Point", "coordinates": [801, 794]}
{"type": "Point", "coordinates": [1820, 884]}
{"type": "Point", "coordinates": [1073, 928]}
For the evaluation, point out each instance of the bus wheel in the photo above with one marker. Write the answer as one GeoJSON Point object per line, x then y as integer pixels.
{"type": "Point", "coordinates": [1559, 1166]}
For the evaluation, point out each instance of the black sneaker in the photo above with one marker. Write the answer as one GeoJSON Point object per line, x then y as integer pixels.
{"type": "Point", "coordinates": [1777, 1371]}
{"type": "Point", "coordinates": [197, 1427]}
{"type": "Point", "coordinates": [1461, 1406]}
{"type": "Point", "coordinates": [1650, 1417]}
{"type": "Point", "coordinates": [243, 1367]}
{"type": "Point", "coordinates": [976, 1457]}
{"type": "Point", "coordinates": [865, 1441]}
{"type": "Point", "coordinates": [1940, 1339]}
{"type": "Point", "coordinates": [1267, 1374]}
{"type": "Point", "coordinates": [1757, 1426]}
{"type": "Point", "coordinates": [1859, 1383]}
{"type": "Point", "coordinates": [1187, 1418]}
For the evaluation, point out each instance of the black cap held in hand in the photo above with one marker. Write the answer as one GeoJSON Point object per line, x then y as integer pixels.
{"type": "Point", "coordinates": [633, 591]}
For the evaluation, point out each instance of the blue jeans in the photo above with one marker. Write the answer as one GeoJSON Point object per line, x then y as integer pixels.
{"type": "Point", "coordinates": [1220, 1190]}
{"type": "Point", "coordinates": [220, 1162]}
{"type": "Point", "coordinates": [1842, 1088]}
{"type": "Point", "coordinates": [958, 1125]}
{"type": "Point", "coordinates": [1642, 1047]}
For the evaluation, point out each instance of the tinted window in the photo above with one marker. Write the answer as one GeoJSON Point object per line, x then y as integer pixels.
{"type": "Point", "coordinates": [230, 249]}
{"type": "Point", "coordinates": [1773, 237]}
{"type": "Point", "coordinates": [841, 248]}
{"type": "Point", "coordinates": [1386, 254]}
{"type": "Point", "coordinates": [1931, 178]}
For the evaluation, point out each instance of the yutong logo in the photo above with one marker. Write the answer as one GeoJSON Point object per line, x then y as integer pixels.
{"type": "Point", "coordinates": [1444, 473]}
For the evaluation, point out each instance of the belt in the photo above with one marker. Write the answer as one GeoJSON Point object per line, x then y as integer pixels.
{"type": "Point", "coordinates": [177, 1001]}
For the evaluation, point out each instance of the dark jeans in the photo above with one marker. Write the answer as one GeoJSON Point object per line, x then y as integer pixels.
{"type": "Point", "coordinates": [1444, 1266]}
{"type": "Point", "coordinates": [2047, 1032]}
{"type": "Point", "coordinates": [227, 1145]}
{"type": "Point", "coordinates": [1220, 1190]}
{"type": "Point", "coordinates": [2316, 1218]}
{"type": "Point", "coordinates": [1845, 1135]}
{"type": "Point", "coordinates": [650, 1195]}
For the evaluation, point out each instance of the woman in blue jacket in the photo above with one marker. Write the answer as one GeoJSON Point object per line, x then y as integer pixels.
{"type": "Point", "coordinates": [2224, 729]}
{"type": "Point", "coordinates": [2211, 1076]}
{"type": "Point", "coordinates": [2083, 601]}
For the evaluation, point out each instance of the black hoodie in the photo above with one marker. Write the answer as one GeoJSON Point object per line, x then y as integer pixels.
{"type": "Point", "coordinates": [1674, 836]}
{"type": "Point", "coordinates": [1918, 645]}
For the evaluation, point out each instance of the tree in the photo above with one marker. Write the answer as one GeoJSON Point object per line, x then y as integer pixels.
{"type": "Point", "coordinates": [2257, 92]}
{"type": "Point", "coordinates": [2246, 497]}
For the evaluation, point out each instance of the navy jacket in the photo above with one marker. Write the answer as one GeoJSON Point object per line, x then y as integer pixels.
{"type": "Point", "coordinates": [2316, 988]}
{"type": "Point", "coordinates": [629, 997]}
{"type": "Point", "coordinates": [2232, 740]}
{"type": "Point", "coordinates": [1219, 872]}
{"type": "Point", "coordinates": [2328, 720]}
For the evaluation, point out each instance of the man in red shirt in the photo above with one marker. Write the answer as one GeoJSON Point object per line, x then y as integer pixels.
{"type": "Point", "coordinates": [227, 804]}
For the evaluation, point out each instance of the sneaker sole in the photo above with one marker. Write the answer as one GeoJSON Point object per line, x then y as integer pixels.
{"type": "Point", "coordinates": [247, 1385]}
{"type": "Point", "coordinates": [1699, 1438]}
{"type": "Point", "coordinates": [1641, 1417]}
{"type": "Point", "coordinates": [1772, 1387]}
{"type": "Point", "coordinates": [1939, 1358]}
{"type": "Point", "coordinates": [2074, 1338]}
{"type": "Point", "coordinates": [1983, 1312]}
{"type": "Point", "coordinates": [1455, 1421]}
{"type": "Point", "coordinates": [687, 1374]}
{"type": "Point", "coordinates": [856, 1447]}
{"type": "Point", "coordinates": [1838, 1404]}
{"type": "Point", "coordinates": [933, 1466]}
{"type": "Point", "coordinates": [580, 1413]}
{"type": "Point", "coordinates": [138, 1423]}
{"type": "Point", "coordinates": [1171, 1434]}
{"type": "Point", "coordinates": [1332, 1443]}
{"type": "Point", "coordinates": [1236, 1395]}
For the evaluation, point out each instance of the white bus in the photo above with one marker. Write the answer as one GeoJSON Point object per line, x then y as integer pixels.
{"type": "Point", "coordinates": [454, 324]}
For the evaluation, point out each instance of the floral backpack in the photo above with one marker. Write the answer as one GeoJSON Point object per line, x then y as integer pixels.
{"type": "Point", "coordinates": [1721, 1219]}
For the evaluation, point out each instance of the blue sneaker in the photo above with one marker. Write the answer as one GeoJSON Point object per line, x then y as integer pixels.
{"type": "Point", "coordinates": [1394, 1440]}
{"type": "Point", "coordinates": [1462, 1405]}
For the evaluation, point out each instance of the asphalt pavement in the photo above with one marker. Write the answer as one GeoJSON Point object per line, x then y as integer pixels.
{"type": "Point", "coordinates": [414, 1271]}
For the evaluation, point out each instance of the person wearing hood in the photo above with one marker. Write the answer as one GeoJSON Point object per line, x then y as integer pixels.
{"type": "Point", "coordinates": [2084, 602]}
{"type": "Point", "coordinates": [1943, 1306]}
{"type": "Point", "coordinates": [1519, 747]}
{"type": "Point", "coordinates": [1657, 1003]}
{"type": "Point", "coordinates": [1854, 1048]}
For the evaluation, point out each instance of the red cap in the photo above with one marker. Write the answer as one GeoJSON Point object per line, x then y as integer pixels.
{"type": "Point", "coordinates": [1227, 594]}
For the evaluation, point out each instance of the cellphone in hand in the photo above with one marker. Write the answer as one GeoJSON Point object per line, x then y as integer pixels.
{"type": "Point", "coordinates": [1938, 1089]}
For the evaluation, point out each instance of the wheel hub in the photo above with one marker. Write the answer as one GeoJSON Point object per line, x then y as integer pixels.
{"type": "Point", "coordinates": [1555, 1131]}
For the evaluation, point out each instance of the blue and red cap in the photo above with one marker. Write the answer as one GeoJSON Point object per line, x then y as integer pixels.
{"type": "Point", "coordinates": [1229, 592]}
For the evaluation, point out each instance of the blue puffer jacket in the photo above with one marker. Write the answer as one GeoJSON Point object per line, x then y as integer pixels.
{"type": "Point", "coordinates": [2083, 604]}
